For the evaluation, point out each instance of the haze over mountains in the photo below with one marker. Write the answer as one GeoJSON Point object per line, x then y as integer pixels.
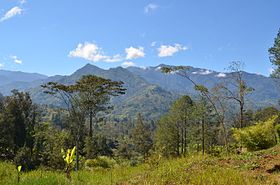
{"type": "Point", "coordinates": [148, 90]}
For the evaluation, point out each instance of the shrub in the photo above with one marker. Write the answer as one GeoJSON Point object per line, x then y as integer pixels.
{"type": "Point", "coordinates": [101, 161]}
{"type": "Point", "coordinates": [260, 136]}
{"type": "Point", "coordinates": [23, 158]}
{"type": "Point", "coordinates": [277, 128]}
{"type": "Point", "coordinates": [216, 151]}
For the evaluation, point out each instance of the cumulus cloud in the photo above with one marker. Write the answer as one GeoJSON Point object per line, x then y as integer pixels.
{"type": "Point", "coordinates": [128, 64]}
{"type": "Point", "coordinates": [92, 52]}
{"type": "Point", "coordinates": [168, 50]}
{"type": "Point", "coordinates": [221, 75]}
{"type": "Point", "coordinates": [133, 53]}
{"type": "Point", "coordinates": [1, 66]}
{"type": "Point", "coordinates": [16, 59]}
{"type": "Point", "coordinates": [11, 13]}
{"type": "Point", "coordinates": [203, 72]}
{"type": "Point", "coordinates": [150, 7]}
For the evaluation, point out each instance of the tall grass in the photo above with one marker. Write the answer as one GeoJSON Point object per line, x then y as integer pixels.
{"type": "Point", "coordinates": [195, 170]}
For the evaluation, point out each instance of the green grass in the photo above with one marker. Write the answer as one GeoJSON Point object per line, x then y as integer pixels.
{"type": "Point", "coordinates": [197, 170]}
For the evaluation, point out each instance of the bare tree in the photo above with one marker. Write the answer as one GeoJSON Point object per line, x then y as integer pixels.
{"type": "Point", "coordinates": [214, 99]}
{"type": "Point", "coordinates": [236, 89]}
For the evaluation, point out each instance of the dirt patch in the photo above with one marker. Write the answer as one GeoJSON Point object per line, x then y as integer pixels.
{"type": "Point", "coordinates": [275, 169]}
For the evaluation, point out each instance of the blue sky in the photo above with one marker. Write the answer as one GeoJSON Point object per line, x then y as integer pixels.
{"type": "Point", "coordinates": [59, 36]}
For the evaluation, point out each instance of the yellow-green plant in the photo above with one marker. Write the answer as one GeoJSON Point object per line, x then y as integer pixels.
{"type": "Point", "coordinates": [69, 157]}
{"type": "Point", "coordinates": [260, 136]}
{"type": "Point", "coordinates": [19, 171]}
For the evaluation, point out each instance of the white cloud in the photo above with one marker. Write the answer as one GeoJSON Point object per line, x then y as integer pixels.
{"type": "Point", "coordinates": [16, 59]}
{"type": "Point", "coordinates": [203, 72]}
{"type": "Point", "coordinates": [11, 13]}
{"type": "Point", "coordinates": [167, 50]}
{"type": "Point", "coordinates": [153, 44]}
{"type": "Point", "coordinates": [133, 53]}
{"type": "Point", "coordinates": [128, 64]}
{"type": "Point", "coordinates": [221, 75]}
{"type": "Point", "coordinates": [22, 1]}
{"type": "Point", "coordinates": [1, 66]}
{"type": "Point", "coordinates": [92, 52]}
{"type": "Point", "coordinates": [271, 70]}
{"type": "Point", "coordinates": [150, 7]}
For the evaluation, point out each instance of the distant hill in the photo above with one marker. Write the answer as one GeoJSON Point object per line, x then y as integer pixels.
{"type": "Point", "coordinates": [266, 89]}
{"type": "Point", "coordinates": [17, 80]}
{"type": "Point", "coordinates": [149, 91]}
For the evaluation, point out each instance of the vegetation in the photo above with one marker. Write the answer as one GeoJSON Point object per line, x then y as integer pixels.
{"type": "Point", "coordinates": [213, 138]}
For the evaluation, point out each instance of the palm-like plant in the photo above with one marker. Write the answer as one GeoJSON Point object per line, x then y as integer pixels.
{"type": "Point", "coordinates": [69, 157]}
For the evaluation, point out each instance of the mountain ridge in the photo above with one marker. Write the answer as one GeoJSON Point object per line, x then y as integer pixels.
{"type": "Point", "coordinates": [148, 89]}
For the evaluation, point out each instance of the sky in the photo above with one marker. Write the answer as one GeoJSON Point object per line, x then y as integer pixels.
{"type": "Point", "coordinates": [59, 36]}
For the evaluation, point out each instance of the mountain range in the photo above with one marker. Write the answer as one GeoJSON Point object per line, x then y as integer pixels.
{"type": "Point", "coordinates": [149, 91]}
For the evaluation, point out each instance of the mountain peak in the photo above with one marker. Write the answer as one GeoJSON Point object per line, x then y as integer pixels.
{"type": "Point", "coordinates": [88, 69]}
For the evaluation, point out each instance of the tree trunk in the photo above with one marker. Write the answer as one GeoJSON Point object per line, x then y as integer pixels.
{"type": "Point", "coordinates": [77, 154]}
{"type": "Point", "coordinates": [182, 141]}
{"type": "Point", "coordinates": [90, 123]}
{"type": "Point", "coordinates": [203, 136]}
{"type": "Point", "coordinates": [241, 114]}
{"type": "Point", "coordinates": [185, 141]}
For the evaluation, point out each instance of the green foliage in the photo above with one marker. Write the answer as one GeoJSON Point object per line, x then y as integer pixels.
{"type": "Point", "coordinates": [98, 145]}
{"type": "Point", "coordinates": [267, 113]}
{"type": "Point", "coordinates": [24, 158]}
{"type": "Point", "coordinates": [141, 137]}
{"type": "Point", "coordinates": [257, 137]}
{"type": "Point", "coordinates": [277, 128]}
{"type": "Point", "coordinates": [100, 162]}
{"type": "Point", "coordinates": [69, 157]}
{"type": "Point", "coordinates": [274, 55]}
{"type": "Point", "coordinates": [167, 144]}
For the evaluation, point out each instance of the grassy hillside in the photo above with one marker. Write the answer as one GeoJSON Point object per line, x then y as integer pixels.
{"type": "Point", "coordinates": [256, 168]}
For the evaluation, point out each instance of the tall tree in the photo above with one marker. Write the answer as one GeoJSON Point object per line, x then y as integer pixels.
{"type": "Point", "coordinates": [236, 89]}
{"type": "Point", "coordinates": [214, 99]}
{"type": "Point", "coordinates": [173, 129]}
{"type": "Point", "coordinates": [85, 96]}
{"type": "Point", "coordinates": [17, 122]}
{"type": "Point", "coordinates": [274, 56]}
{"type": "Point", "coordinates": [183, 113]}
{"type": "Point", "coordinates": [141, 137]}
{"type": "Point", "coordinates": [69, 95]}
{"type": "Point", "coordinates": [95, 95]}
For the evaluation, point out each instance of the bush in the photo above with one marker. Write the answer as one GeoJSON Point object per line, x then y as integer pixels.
{"type": "Point", "coordinates": [216, 151]}
{"type": "Point", "coordinates": [260, 136]}
{"type": "Point", "coordinates": [101, 161]}
{"type": "Point", "coordinates": [277, 128]}
{"type": "Point", "coordinates": [23, 158]}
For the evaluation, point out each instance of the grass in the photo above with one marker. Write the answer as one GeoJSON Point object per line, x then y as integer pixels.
{"type": "Point", "coordinates": [247, 169]}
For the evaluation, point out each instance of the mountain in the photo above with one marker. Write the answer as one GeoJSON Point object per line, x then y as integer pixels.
{"type": "Point", "coordinates": [17, 80]}
{"type": "Point", "coordinates": [141, 96]}
{"type": "Point", "coordinates": [149, 91]}
{"type": "Point", "coordinates": [265, 93]}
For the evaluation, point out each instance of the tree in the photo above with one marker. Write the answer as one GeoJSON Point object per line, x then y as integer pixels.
{"type": "Point", "coordinates": [213, 98]}
{"type": "Point", "coordinates": [182, 111]}
{"type": "Point", "coordinates": [267, 113]}
{"type": "Point", "coordinates": [69, 95]}
{"type": "Point", "coordinates": [167, 137]}
{"type": "Point", "coordinates": [95, 95]}
{"type": "Point", "coordinates": [174, 129]}
{"type": "Point", "coordinates": [141, 137]}
{"type": "Point", "coordinates": [274, 56]}
{"type": "Point", "coordinates": [88, 95]}
{"type": "Point", "coordinates": [236, 89]}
